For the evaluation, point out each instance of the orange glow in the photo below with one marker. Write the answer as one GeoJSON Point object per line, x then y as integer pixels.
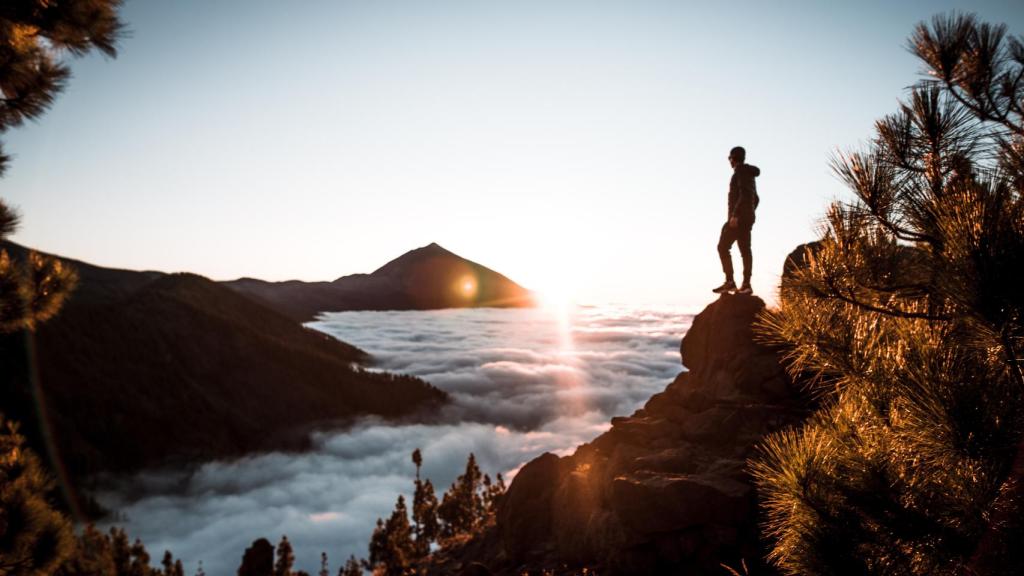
{"type": "Point", "coordinates": [467, 286]}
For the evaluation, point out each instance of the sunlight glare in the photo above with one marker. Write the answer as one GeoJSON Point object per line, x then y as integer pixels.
{"type": "Point", "coordinates": [467, 286]}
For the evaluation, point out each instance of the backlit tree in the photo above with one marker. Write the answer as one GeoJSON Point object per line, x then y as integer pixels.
{"type": "Point", "coordinates": [907, 321]}
{"type": "Point", "coordinates": [462, 506]}
{"type": "Point", "coordinates": [424, 511]}
{"type": "Point", "coordinates": [33, 36]}
{"type": "Point", "coordinates": [35, 538]}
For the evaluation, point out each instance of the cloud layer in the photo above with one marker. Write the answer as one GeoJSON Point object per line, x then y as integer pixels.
{"type": "Point", "coordinates": [523, 382]}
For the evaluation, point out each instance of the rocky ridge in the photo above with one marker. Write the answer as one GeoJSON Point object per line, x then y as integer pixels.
{"type": "Point", "coordinates": [665, 490]}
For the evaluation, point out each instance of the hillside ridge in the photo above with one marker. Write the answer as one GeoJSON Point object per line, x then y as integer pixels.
{"type": "Point", "coordinates": [143, 369]}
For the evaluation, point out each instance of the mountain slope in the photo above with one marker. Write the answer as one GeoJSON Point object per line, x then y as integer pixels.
{"type": "Point", "coordinates": [143, 368]}
{"type": "Point", "coordinates": [426, 278]}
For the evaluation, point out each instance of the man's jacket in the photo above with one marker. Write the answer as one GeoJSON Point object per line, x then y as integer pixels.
{"type": "Point", "coordinates": [743, 193]}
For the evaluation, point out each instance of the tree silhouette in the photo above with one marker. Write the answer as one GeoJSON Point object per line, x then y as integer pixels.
{"type": "Point", "coordinates": [907, 326]}
{"type": "Point", "coordinates": [396, 547]}
{"type": "Point", "coordinates": [424, 511]}
{"type": "Point", "coordinates": [258, 559]}
{"type": "Point", "coordinates": [93, 555]}
{"type": "Point", "coordinates": [120, 551]}
{"type": "Point", "coordinates": [171, 567]}
{"type": "Point", "coordinates": [285, 558]}
{"type": "Point", "coordinates": [140, 560]}
{"type": "Point", "coordinates": [352, 567]}
{"type": "Point", "coordinates": [391, 546]}
{"type": "Point", "coordinates": [462, 506]}
{"type": "Point", "coordinates": [34, 536]}
{"type": "Point", "coordinates": [111, 554]}
{"type": "Point", "coordinates": [492, 493]}
{"type": "Point", "coordinates": [324, 571]}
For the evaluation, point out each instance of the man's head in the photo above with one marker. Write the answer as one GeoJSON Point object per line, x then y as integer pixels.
{"type": "Point", "coordinates": [737, 156]}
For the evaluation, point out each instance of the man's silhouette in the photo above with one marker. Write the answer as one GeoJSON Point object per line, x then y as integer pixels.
{"type": "Point", "coordinates": [743, 201]}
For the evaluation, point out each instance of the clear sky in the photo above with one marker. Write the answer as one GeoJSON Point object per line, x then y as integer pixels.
{"type": "Point", "coordinates": [576, 146]}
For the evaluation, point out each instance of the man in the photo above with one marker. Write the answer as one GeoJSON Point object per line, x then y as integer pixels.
{"type": "Point", "coordinates": [743, 201]}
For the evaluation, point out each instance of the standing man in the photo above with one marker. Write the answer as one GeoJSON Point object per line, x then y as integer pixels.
{"type": "Point", "coordinates": [743, 201]}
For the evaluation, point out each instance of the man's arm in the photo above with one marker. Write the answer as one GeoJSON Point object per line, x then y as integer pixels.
{"type": "Point", "coordinates": [735, 195]}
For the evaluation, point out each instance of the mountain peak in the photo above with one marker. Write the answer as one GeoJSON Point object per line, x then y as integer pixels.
{"type": "Point", "coordinates": [400, 266]}
{"type": "Point", "coordinates": [425, 278]}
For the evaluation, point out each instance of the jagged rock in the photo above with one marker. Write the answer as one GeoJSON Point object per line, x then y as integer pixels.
{"type": "Point", "coordinates": [723, 328]}
{"type": "Point", "coordinates": [665, 490]}
{"type": "Point", "coordinates": [524, 519]}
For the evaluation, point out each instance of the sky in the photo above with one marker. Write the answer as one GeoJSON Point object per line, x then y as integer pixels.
{"type": "Point", "coordinates": [578, 147]}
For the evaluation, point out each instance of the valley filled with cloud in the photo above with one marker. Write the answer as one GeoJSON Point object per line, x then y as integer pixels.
{"type": "Point", "coordinates": [522, 382]}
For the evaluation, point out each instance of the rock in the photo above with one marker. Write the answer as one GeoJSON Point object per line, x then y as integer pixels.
{"type": "Point", "coordinates": [665, 502]}
{"type": "Point", "coordinates": [799, 258]}
{"type": "Point", "coordinates": [524, 517]}
{"type": "Point", "coordinates": [666, 490]}
{"type": "Point", "coordinates": [722, 328]}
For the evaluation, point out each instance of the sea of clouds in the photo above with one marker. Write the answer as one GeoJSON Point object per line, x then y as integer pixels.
{"type": "Point", "coordinates": [522, 382]}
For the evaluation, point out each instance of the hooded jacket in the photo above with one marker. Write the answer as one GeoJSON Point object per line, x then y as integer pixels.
{"type": "Point", "coordinates": [743, 199]}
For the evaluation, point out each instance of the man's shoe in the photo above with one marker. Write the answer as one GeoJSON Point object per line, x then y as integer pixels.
{"type": "Point", "coordinates": [745, 289]}
{"type": "Point", "coordinates": [729, 286]}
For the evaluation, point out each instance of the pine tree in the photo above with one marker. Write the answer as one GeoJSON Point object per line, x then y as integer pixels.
{"type": "Point", "coordinates": [462, 506]}
{"type": "Point", "coordinates": [908, 328]}
{"type": "Point", "coordinates": [140, 560]}
{"type": "Point", "coordinates": [110, 554]}
{"type": "Point", "coordinates": [285, 558]}
{"type": "Point", "coordinates": [493, 491]}
{"type": "Point", "coordinates": [34, 536]}
{"type": "Point", "coordinates": [378, 549]}
{"type": "Point", "coordinates": [392, 551]}
{"type": "Point", "coordinates": [171, 567]}
{"type": "Point", "coordinates": [424, 511]}
{"type": "Point", "coordinates": [258, 559]}
{"type": "Point", "coordinates": [167, 562]}
{"type": "Point", "coordinates": [121, 552]}
{"type": "Point", "coordinates": [352, 567]}
{"type": "Point", "coordinates": [32, 35]}
{"type": "Point", "coordinates": [93, 554]}
{"type": "Point", "coordinates": [323, 565]}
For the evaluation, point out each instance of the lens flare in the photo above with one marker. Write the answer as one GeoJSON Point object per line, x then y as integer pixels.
{"type": "Point", "coordinates": [467, 287]}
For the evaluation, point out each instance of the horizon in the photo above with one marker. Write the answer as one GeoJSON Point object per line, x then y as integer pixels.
{"type": "Point", "coordinates": [577, 149]}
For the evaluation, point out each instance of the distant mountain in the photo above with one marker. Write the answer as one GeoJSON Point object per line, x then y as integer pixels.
{"type": "Point", "coordinates": [426, 278]}
{"type": "Point", "coordinates": [146, 368]}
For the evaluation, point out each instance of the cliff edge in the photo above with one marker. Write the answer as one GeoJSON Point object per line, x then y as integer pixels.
{"type": "Point", "coordinates": [665, 490]}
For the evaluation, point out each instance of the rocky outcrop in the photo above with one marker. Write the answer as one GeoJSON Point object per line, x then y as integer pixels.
{"type": "Point", "coordinates": [665, 490]}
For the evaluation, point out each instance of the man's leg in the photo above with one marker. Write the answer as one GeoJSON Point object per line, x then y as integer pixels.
{"type": "Point", "coordinates": [743, 240]}
{"type": "Point", "coordinates": [725, 240]}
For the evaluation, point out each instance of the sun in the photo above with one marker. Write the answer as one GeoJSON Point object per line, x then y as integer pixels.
{"type": "Point", "coordinates": [556, 296]}
{"type": "Point", "coordinates": [467, 286]}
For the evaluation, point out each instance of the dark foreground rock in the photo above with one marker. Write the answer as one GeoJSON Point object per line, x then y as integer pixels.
{"type": "Point", "coordinates": [664, 491]}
